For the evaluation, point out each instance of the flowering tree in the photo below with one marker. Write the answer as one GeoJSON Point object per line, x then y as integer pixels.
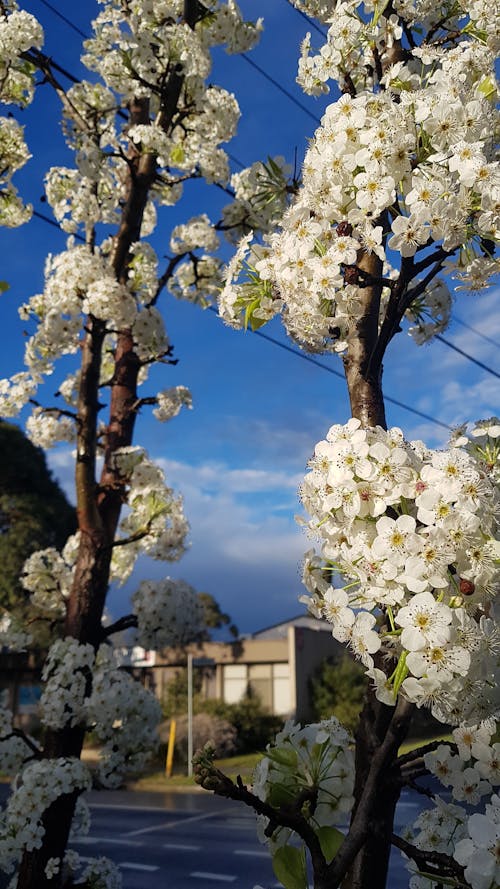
{"type": "Point", "coordinates": [400, 186]}
{"type": "Point", "coordinates": [144, 124]}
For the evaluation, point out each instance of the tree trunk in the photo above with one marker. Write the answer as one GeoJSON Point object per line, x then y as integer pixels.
{"type": "Point", "coordinates": [369, 870]}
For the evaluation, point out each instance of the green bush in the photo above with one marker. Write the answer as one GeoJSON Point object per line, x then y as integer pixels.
{"type": "Point", "coordinates": [175, 699]}
{"type": "Point", "coordinates": [254, 725]}
{"type": "Point", "coordinates": [337, 688]}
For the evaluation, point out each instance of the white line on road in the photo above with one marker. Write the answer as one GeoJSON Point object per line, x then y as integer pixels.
{"type": "Point", "coordinates": [121, 808]}
{"type": "Point", "coordinates": [205, 875]}
{"type": "Point", "coordinates": [183, 846]}
{"type": "Point", "coordinates": [169, 824]}
{"type": "Point", "coordinates": [257, 853]}
{"type": "Point", "coordinates": [131, 865]}
{"type": "Point", "coordinates": [88, 840]}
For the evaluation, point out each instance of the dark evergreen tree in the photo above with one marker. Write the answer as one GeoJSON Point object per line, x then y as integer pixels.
{"type": "Point", "coordinates": [34, 514]}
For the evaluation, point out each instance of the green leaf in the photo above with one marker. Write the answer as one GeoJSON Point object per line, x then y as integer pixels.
{"type": "Point", "coordinates": [281, 795]}
{"type": "Point", "coordinates": [330, 840]}
{"type": "Point", "coordinates": [4, 286]}
{"type": "Point", "coordinates": [289, 866]}
{"type": "Point", "coordinates": [177, 154]}
{"type": "Point", "coordinates": [284, 756]}
{"type": "Point", "coordinates": [487, 87]}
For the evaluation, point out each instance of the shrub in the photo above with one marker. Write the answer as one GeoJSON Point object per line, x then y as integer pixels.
{"type": "Point", "coordinates": [254, 725]}
{"type": "Point", "coordinates": [206, 727]}
{"type": "Point", "coordinates": [337, 689]}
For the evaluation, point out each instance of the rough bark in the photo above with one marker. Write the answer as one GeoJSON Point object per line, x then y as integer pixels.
{"type": "Point", "coordinates": [364, 385]}
{"type": "Point", "coordinates": [364, 382]}
{"type": "Point", "coordinates": [99, 506]}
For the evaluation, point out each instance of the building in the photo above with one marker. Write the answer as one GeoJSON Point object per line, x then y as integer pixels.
{"type": "Point", "coordinates": [276, 663]}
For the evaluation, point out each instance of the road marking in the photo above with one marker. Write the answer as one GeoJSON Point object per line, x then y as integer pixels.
{"type": "Point", "coordinates": [111, 840]}
{"type": "Point", "coordinates": [240, 823]}
{"type": "Point", "coordinates": [169, 824]}
{"type": "Point", "coordinates": [182, 846]}
{"type": "Point", "coordinates": [205, 875]}
{"type": "Point", "coordinates": [131, 865]}
{"type": "Point", "coordinates": [258, 853]}
{"type": "Point", "coordinates": [121, 808]}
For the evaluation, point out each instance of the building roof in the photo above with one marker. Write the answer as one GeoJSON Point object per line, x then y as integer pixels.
{"type": "Point", "coordinates": [280, 630]}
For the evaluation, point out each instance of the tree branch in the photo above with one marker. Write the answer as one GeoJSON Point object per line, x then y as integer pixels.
{"type": "Point", "coordinates": [436, 864]}
{"type": "Point", "coordinates": [413, 755]}
{"type": "Point", "coordinates": [18, 733]}
{"type": "Point", "coordinates": [211, 778]}
{"type": "Point", "coordinates": [360, 825]}
{"type": "Point", "coordinates": [127, 622]}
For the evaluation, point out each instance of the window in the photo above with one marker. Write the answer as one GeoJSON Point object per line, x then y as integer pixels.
{"type": "Point", "coordinates": [235, 682]}
{"type": "Point", "coordinates": [270, 682]}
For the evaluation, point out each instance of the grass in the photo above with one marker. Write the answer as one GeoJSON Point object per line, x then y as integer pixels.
{"type": "Point", "coordinates": [412, 743]}
{"type": "Point", "coordinates": [235, 765]}
{"type": "Point", "coordinates": [238, 765]}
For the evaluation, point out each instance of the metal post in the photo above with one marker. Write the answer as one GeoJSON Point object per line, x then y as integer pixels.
{"type": "Point", "coordinates": [170, 749]}
{"type": "Point", "coordinates": [190, 713]}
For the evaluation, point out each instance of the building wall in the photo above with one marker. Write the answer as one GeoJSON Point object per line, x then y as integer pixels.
{"type": "Point", "coordinates": [308, 648]}
{"type": "Point", "coordinates": [278, 669]}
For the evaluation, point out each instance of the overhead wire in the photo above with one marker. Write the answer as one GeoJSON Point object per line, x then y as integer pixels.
{"type": "Point", "coordinates": [310, 21]}
{"type": "Point", "coordinates": [285, 346]}
{"type": "Point", "coordinates": [280, 87]}
{"type": "Point", "coordinates": [480, 364]}
{"type": "Point", "coordinates": [236, 161]}
{"type": "Point", "coordinates": [483, 336]}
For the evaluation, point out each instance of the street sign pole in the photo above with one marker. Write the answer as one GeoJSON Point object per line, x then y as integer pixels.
{"type": "Point", "coordinates": [190, 713]}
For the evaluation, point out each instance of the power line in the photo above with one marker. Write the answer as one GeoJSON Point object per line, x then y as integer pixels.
{"type": "Point", "coordinates": [303, 355]}
{"type": "Point", "coordinates": [235, 160]}
{"type": "Point", "coordinates": [280, 87]}
{"type": "Point", "coordinates": [466, 355]}
{"type": "Point", "coordinates": [247, 59]}
{"type": "Point", "coordinates": [310, 21]}
{"type": "Point", "coordinates": [64, 19]}
{"type": "Point", "coordinates": [336, 373]}
{"type": "Point", "coordinates": [483, 336]}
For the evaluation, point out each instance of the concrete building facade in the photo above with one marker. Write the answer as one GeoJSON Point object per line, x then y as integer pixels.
{"type": "Point", "coordinates": [275, 663]}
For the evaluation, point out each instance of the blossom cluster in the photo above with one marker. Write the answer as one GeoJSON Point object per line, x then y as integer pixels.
{"type": "Point", "coordinates": [80, 282]}
{"type": "Point", "coordinates": [134, 50]}
{"type": "Point", "coordinates": [66, 673]}
{"type": "Point", "coordinates": [388, 174]}
{"type": "Point", "coordinates": [313, 763]}
{"type": "Point", "coordinates": [88, 689]}
{"type": "Point", "coordinates": [170, 401]}
{"type": "Point", "coordinates": [260, 197]}
{"type": "Point", "coordinates": [19, 32]}
{"type": "Point", "coordinates": [14, 750]}
{"type": "Point", "coordinates": [470, 768]}
{"type": "Point", "coordinates": [21, 823]}
{"type": "Point", "coordinates": [155, 522]}
{"type": "Point", "coordinates": [169, 613]}
{"type": "Point", "coordinates": [408, 565]}
{"type": "Point", "coordinates": [318, 9]}
{"type": "Point", "coordinates": [13, 635]}
{"type": "Point", "coordinates": [124, 715]}
{"type": "Point", "coordinates": [48, 574]}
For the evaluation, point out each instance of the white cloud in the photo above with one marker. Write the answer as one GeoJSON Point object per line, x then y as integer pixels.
{"type": "Point", "coordinates": [245, 548]}
{"type": "Point", "coordinates": [217, 476]}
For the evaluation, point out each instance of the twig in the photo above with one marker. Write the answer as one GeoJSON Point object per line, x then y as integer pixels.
{"type": "Point", "coordinates": [412, 755]}
{"type": "Point", "coordinates": [437, 864]}
{"type": "Point", "coordinates": [127, 622]}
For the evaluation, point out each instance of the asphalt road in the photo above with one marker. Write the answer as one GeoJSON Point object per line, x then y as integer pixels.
{"type": "Point", "coordinates": [190, 841]}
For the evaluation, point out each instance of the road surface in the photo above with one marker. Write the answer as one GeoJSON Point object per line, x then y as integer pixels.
{"type": "Point", "coordinates": [190, 841]}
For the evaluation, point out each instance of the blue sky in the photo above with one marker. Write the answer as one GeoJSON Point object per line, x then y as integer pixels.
{"type": "Point", "coordinates": [258, 410]}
